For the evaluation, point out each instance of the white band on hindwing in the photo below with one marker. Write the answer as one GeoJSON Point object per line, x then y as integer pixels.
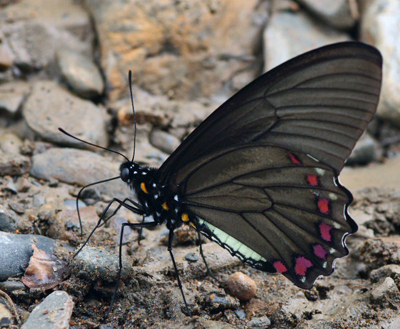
{"type": "Point", "coordinates": [233, 244]}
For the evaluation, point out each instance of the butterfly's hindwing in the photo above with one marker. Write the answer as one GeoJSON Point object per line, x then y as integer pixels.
{"type": "Point", "coordinates": [289, 212]}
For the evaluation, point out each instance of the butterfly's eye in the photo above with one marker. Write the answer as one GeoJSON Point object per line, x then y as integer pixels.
{"type": "Point", "coordinates": [125, 174]}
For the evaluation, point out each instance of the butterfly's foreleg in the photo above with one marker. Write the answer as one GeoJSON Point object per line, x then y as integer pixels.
{"type": "Point", "coordinates": [121, 203]}
{"type": "Point", "coordinates": [170, 239]}
{"type": "Point", "coordinates": [103, 215]}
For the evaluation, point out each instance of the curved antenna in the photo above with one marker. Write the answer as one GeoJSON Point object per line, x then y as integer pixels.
{"type": "Point", "coordinates": [134, 113]}
{"type": "Point", "coordinates": [100, 147]}
{"type": "Point", "coordinates": [79, 198]}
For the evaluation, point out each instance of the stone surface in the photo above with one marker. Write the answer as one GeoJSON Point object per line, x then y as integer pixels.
{"type": "Point", "coordinates": [366, 150]}
{"type": "Point", "coordinates": [295, 33]}
{"type": "Point", "coordinates": [79, 167]}
{"type": "Point", "coordinates": [180, 49]}
{"type": "Point", "coordinates": [164, 141]}
{"type": "Point", "coordinates": [54, 312]}
{"type": "Point", "coordinates": [341, 14]}
{"type": "Point", "coordinates": [385, 289]}
{"type": "Point", "coordinates": [50, 107]}
{"type": "Point", "coordinates": [16, 251]}
{"type": "Point", "coordinates": [80, 73]}
{"type": "Point", "coordinates": [12, 95]}
{"type": "Point", "coordinates": [380, 27]}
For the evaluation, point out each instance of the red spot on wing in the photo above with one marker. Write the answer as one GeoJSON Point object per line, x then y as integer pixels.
{"type": "Point", "coordinates": [279, 266]}
{"type": "Point", "coordinates": [319, 251]}
{"type": "Point", "coordinates": [325, 230]}
{"type": "Point", "coordinates": [295, 160]}
{"type": "Point", "coordinates": [312, 180]}
{"type": "Point", "coordinates": [323, 205]}
{"type": "Point", "coordinates": [302, 264]}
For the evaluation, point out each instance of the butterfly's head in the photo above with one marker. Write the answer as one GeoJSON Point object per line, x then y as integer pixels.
{"type": "Point", "coordinates": [129, 171]}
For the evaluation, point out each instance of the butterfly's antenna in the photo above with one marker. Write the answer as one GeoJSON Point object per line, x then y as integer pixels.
{"type": "Point", "coordinates": [88, 143]}
{"type": "Point", "coordinates": [79, 198]}
{"type": "Point", "coordinates": [134, 113]}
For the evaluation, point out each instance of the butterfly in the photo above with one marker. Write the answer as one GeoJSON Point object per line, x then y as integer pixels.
{"type": "Point", "coordinates": [260, 175]}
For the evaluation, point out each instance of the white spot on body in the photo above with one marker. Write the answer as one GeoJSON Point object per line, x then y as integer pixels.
{"type": "Point", "coordinates": [320, 171]}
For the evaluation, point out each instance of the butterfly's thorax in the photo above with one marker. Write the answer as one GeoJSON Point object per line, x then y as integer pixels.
{"type": "Point", "coordinates": [156, 200]}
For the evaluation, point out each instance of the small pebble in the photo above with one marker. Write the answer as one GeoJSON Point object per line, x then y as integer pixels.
{"type": "Point", "coordinates": [192, 257]}
{"type": "Point", "coordinates": [242, 286]}
{"type": "Point", "coordinates": [384, 290]}
{"type": "Point", "coordinates": [260, 322]}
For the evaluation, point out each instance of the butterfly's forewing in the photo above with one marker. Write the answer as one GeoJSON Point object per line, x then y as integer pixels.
{"type": "Point", "coordinates": [318, 103]}
{"type": "Point", "coordinates": [260, 173]}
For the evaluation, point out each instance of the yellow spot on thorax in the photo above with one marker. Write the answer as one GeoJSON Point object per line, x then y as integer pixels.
{"type": "Point", "coordinates": [144, 188]}
{"type": "Point", "coordinates": [185, 217]}
{"type": "Point", "coordinates": [165, 206]}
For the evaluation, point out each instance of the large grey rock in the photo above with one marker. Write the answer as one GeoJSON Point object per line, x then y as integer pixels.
{"type": "Point", "coordinates": [50, 107]}
{"type": "Point", "coordinates": [380, 27]}
{"type": "Point", "coordinates": [289, 34]}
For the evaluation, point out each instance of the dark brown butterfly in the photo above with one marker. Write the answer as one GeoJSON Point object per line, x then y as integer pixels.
{"type": "Point", "coordinates": [260, 175]}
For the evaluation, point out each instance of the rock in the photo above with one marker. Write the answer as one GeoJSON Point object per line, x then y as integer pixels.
{"type": "Point", "coordinates": [365, 151]}
{"type": "Point", "coordinates": [261, 322]}
{"type": "Point", "coordinates": [12, 95]}
{"type": "Point", "coordinates": [164, 141]}
{"type": "Point", "coordinates": [241, 286]}
{"type": "Point", "coordinates": [192, 257]}
{"type": "Point", "coordinates": [6, 56]}
{"type": "Point", "coordinates": [97, 264]}
{"type": "Point", "coordinates": [5, 315]}
{"type": "Point", "coordinates": [295, 33]}
{"type": "Point", "coordinates": [54, 312]}
{"type": "Point", "coordinates": [379, 26]}
{"type": "Point", "coordinates": [35, 29]}
{"type": "Point", "coordinates": [182, 49]}
{"type": "Point", "coordinates": [341, 14]}
{"type": "Point", "coordinates": [220, 301]}
{"type": "Point", "coordinates": [50, 107]}
{"type": "Point", "coordinates": [79, 167]}
{"type": "Point", "coordinates": [14, 165]}
{"type": "Point", "coordinates": [210, 324]}
{"type": "Point", "coordinates": [80, 73]}
{"type": "Point", "coordinates": [383, 290]}
{"type": "Point", "coordinates": [10, 144]}
{"type": "Point", "coordinates": [16, 251]}
{"type": "Point", "coordinates": [391, 270]}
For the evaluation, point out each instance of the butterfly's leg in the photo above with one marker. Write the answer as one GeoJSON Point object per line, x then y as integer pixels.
{"type": "Point", "coordinates": [204, 258]}
{"type": "Point", "coordinates": [170, 239]}
{"type": "Point", "coordinates": [134, 203]}
{"type": "Point", "coordinates": [121, 203]}
{"type": "Point", "coordinates": [121, 237]}
{"type": "Point", "coordinates": [140, 231]}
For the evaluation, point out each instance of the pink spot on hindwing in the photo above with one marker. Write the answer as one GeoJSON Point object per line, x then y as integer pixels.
{"type": "Point", "coordinates": [302, 264]}
{"type": "Point", "coordinates": [312, 180]}
{"type": "Point", "coordinates": [294, 159]}
{"type": "Point", "coordinates": [325, 231]}
{"type": "Point", "coordinates": [319, 251]}
{"type": "Point", "coordinates": [279, 266]}
{"type": "Point", "coordinates": [323, 205]}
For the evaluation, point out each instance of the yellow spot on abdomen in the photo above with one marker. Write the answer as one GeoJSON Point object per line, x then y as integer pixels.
{"type": "Point", "coordinates": [165, 206]}
{"type": "Point", "coordinates": [143, 188]}
{"type": "Point", "coordinates": [185, 217]}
